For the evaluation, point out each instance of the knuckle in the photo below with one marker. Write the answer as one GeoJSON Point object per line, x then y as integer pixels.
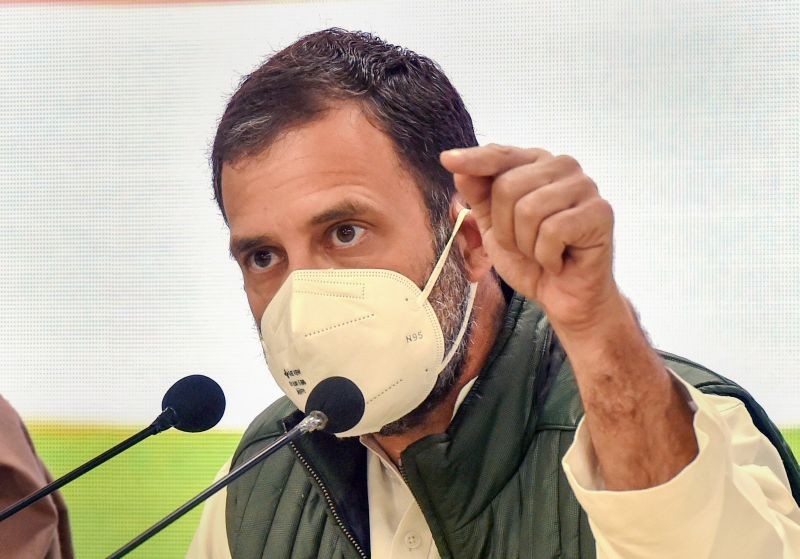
{"type": "Point", "coordinates": [604, 206]}
{"type": "Point", "coordinates": [591, 184]}
{"type": "Point", "coordinates": [548, 228]}
{"type": "Point", "coordinates": [568, 162]}
{"type": "Point", "coordinates": [541, 252]}
{"type": "Point", "coordinates": [526, 222]}
{"type": "Point", "coordinates": [609, 212]}
{"type": "Point", "coordinates": [499, 148]}
{"type": "Point", "coordinates": [604, 209]}
{"type": "Point", "coordinates": [504, 185]}
{"type": "Point", "coordinates": [527, 208]}
{"type": "Point", "coordinates": [584, 187]}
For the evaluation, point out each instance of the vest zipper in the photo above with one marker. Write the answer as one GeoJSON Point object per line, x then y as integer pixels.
{"type": "Point", "coordinates": [326, 494]}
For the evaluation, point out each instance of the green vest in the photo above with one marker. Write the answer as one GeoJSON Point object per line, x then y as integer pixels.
{"type": "Point", "coordinates": [491, 486]}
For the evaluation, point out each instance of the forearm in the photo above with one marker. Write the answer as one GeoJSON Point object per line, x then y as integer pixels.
{"type": "Point", "coordinates": [638, 418]}
{"type": "Point", "coordinates": [732, 500]}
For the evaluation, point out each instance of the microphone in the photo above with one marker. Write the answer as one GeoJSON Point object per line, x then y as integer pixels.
{"type": "Point", "coordinates": [334, 395]}
{"type": "Point", "coordinates": [194, 403]}
{"type": "Point", "coordinates": [341, 400]}
{"type": "Point", "coordinates": [197, 401]}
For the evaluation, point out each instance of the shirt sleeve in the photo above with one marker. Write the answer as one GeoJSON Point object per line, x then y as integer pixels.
{"type": "Point", "coordinates": [211, 538]}
{"type": "Point", "coordinates": [732, 500]}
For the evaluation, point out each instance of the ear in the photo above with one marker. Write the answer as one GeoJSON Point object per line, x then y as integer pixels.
{"type": "Point", "coordinates": [470, 244]}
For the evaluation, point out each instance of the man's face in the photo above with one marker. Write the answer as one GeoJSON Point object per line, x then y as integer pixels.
{"type": "Point", "coordinates": [329, 194]}
{"type": "Point", "coordinates": [332, 194]}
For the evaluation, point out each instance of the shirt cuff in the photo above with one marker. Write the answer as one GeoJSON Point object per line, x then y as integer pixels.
{"type": "Point", "coordinates": [640, 518]}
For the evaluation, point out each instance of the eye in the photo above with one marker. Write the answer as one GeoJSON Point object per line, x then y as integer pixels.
{"type": "Point", "coordinates": [263, 259]}
{"type": "Point", "coordinates": [346, 234]}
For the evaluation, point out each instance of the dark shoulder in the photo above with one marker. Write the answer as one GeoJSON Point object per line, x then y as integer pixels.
{"type": "Point", "coordinates": [560, 403]}
{"type": "Point", "coordinates": [695, 374]}
{"type": "Point", "coordinates": [267, 425]}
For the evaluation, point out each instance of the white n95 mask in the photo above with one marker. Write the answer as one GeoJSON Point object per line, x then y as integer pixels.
{"type": "Point", "coordinates": [373, 327]}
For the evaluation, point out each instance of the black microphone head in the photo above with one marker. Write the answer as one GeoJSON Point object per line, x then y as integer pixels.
{"type": "Point", "coordinates": [198, 403]}
{"type": "Point", "coordinates": [340, 400]}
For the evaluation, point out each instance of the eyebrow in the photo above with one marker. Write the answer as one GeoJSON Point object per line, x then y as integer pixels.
{"type": "Point", "coordinates": [239, 246]}
{"type": "Point", "coordinates": [346, 209]}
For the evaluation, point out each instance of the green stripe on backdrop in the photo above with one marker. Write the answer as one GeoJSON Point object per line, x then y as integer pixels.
{"type": "Point", "coordinates": [118, 500]}
{"type": "Point", "coordinates": [112, 504]}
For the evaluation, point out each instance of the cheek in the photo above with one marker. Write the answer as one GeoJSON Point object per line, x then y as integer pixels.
{"type": "Point", "coordinates": [422, 262]}
{"type": "Point", "coordinates": [260, 290]}
{"type": "Point", "coordinates": [258, 304]}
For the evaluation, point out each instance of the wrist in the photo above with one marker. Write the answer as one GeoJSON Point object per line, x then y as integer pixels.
{"type": "Point", "coordinates": [612, 341]}
{"type": "Point", "coordinates": [605, 321]}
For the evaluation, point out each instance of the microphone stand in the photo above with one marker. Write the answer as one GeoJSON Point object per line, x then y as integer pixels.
{"type": "Point", "coordinates": [312, 422]}
{"type": "Point", "coordinates": [164, 421]}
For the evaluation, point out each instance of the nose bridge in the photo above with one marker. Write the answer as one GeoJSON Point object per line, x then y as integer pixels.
{"type": "Point", "coordinates": [305, 257]}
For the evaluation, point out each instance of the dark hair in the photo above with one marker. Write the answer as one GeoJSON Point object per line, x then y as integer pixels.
{"type": "Point", "coordinates": [404, 94]}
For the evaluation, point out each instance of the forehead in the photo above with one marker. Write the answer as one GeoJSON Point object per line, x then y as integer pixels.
{"type": "Point", "coordinates": [341, 148]}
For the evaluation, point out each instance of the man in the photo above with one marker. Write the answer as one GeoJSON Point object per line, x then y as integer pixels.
{"type": "Point", "coordinates": [343, 155]}
{"type": "Point", "coordinates": [41, 530]}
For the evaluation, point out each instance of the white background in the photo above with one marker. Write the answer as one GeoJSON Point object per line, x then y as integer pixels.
{"type": "Point", "coordinates": [114, 274]}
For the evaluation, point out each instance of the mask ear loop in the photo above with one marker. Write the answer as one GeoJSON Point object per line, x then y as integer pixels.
{"type": "Point", "coordinates": [473, 288]}
{"type": "Point", "coordinates": [443, 257]}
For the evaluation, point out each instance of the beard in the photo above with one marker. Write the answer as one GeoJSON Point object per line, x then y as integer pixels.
{"type": "Point", "coordinates": [449, 299]}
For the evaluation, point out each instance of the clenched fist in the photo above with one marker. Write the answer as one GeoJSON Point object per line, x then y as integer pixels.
{"type": "Point", "coordinates": [544, 226]}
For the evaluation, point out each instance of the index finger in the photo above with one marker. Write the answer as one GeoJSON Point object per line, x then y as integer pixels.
{"type": "Point", "coordinates": [489, 160]}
